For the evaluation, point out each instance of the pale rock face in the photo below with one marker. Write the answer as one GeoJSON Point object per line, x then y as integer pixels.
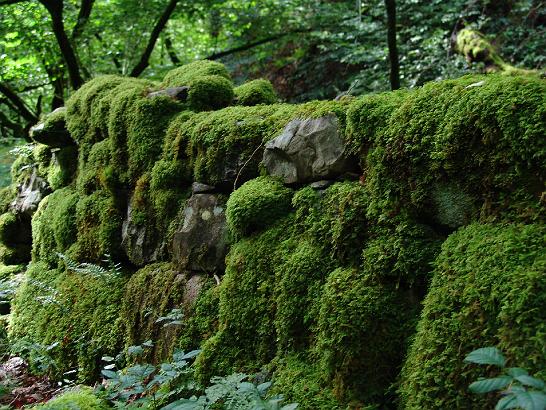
{"type": "Point", "coordinates": [200, 244]}
{"type": "Point", "coordinates": [308, 150]}
{"type": "Point", "coordinates": [30, 193]}
{"type": "Point", "coordinates": [141, 242]}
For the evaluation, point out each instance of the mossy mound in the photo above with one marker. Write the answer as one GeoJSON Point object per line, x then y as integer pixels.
{"type": "Point", "coordinates": [8, 228]}
{"type": "Point", "coordinates": [151, 293]}
{"type": "Point", "coordinates": [256, 92]}
{"type": "Point", "coordinates": [488, 289]}
{"type": "Point", "coordinates": [363, 327]}
{"type": "Point", "coordinates": [185, 74]}
{"type": "Point", "coordinates": [210, 92]}
{"type": "Point", "coordinates": [54, 226]}
{"type": "Point", "coordinates": [81, 398]}
{"type": "Point", "coordinates": [480, 134]}
{"type": "Point", "coordinates": [257, 204]}
{"type": "Point", "coordinates": [77, 311]}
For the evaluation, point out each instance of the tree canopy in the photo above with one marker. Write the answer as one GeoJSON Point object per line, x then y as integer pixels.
{"type": "Point", "coordinates": [307, 48]}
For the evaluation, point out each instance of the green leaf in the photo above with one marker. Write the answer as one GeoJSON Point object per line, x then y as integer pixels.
{"type": "Point", "coordinates": [135, 350]}
{"type": "Point", "coordinates": [530, 381]}
{"type": "Point", "coordinates": [516, 371]}
{"type": "Point", "coordinates": [109, 374]}
{"type": "Point", "coordinates": [533, 400]}
{"type": "Point", "coordinates": [489, 385]}
{"type": "Point", "coordinates": [486, 355]}
{"type": "Point", "coordinates": [291, 406]}
{"type": "Point", "coordinates": [507, 402]}
{"type": "Point", "coordinates": [262, 388]}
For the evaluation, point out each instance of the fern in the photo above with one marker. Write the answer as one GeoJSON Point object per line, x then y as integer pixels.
{"type": "Point", "coordinates": [91, 269]}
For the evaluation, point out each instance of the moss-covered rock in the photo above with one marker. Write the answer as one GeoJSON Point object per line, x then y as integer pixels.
{"type": "Point", "coordinates": [480, 134]}
{"type": "Point", "coordinates": [8, 228]}
{"type": "Point", "coordinates": [488, 289]}
{"type": "Point", "coordinates": [185, 74]}
{"type": "Point", "coordinates": [210, 92]}
{"type": "Point", "coordinates": [257, 204]}
{"type": "Point", "coordinates": [363, 327]}
{"type": "Point", "coordinates": [256, 92]}
{"type": "Point", "coordinates": [151, 293]}
{"type": "Point", "coordinates": [78, 311]}
{"type": "Point", "coordinates": [54, 226]}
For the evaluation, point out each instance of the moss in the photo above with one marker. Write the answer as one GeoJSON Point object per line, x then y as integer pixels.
{"type": "Point", "coordinates": [54, 226]}
{"type": "Point", "coordinates": [210, 92]}
{"type": "Point", "coordinates": [7, 195]}
{"type": "Point", "coordinates": [76, 398]}
{"type": "Point", "coordinates": [481, 134]}
{"type": "Point", "coordinates": [152, 292]}
{"type": "Point", "coordinates": [299, 277]}
{"type": "Point", "coordinates": [185, 74]}
{"type": "Point", "coordinates": [256, 92]}
{"type": "Point", "coordinates": [79, 108]}
{"type": "Point", "coordinates": [246, 335]}
{"type": "Point", "coordinates": [7, 271]}
{"type": "Point", "coordinates": [147, 123]}
{"type": "Point", "coordinates": [298, 379]}
{"type": "Point", "coordinates": [21, 168]}
{"type": "Point", "coordinates": [368, 117]}
{"type": "Point", "coordinates": [477, 49]}
{"type": "Point", "coordinates": [98, 222]}
{"type": "Point", "coordinates": [201, 321]}
{"type": "Point", "coordinates": [336, 219]}
{"type": "Point", "coordinates": [62, 167]}
{"type": "Point", "coordinates": [257, 204]}
{"type": "Point", "coordinates": [8, 228]}
{"type": "Point", "coordinates": [401, 251]}
{"type": "Point", "coordinates": [14, 255]}
{"type": "Point", "coordinates": [53, 132]}
{"type": "Point", "coordinates": [488, 290]}
{"type": "Point", "coordinates": [78, 311]}
{"type": "Point", "coordinates": [363, 327]}
{"type": "Point", "coordinates": [92, 173]}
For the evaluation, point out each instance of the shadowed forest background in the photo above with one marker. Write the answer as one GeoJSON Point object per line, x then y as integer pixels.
{"type": "Point", "coordinates": [308, 49]}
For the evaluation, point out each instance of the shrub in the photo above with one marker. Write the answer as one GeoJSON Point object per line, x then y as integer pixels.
{"type": "Point", "coordinates": [81, 398]}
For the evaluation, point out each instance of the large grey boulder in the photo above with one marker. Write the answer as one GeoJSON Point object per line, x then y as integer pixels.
{"type": "Point", "coordinates": [308, 150]}
{"type": "Point", "coordinates": [141, 242]}
{"type": "Point", "coordinates": [29, 194]}
{"type": "Point", "coordinates": [200, 244]}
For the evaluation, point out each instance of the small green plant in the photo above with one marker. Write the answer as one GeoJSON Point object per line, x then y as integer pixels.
{"type": "Point", "coordinates": [233, 392]}
{"type": "Point", "coordinates": [96, 271]}
{"type": "Point", "coordinates": [145, 385]}
{"type": "Point", "coordinates": [519, 390]}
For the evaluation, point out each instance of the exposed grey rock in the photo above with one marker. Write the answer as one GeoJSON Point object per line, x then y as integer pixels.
{"type": "Point", "coordinates": [176, 93]}
{"type": "Point", "coordinates": [322, 184]}
{"type": "Point", "coordinates": [308, 150]}
{"type": "Point", "coordinates": [199, 188]}
{"type": "Point", "coordinates": [200, 243]}
{"type": "Point", "coordinates": [52, 131]}
{"type": "Point", "coordinates": [30, 193]}
{"type": "Point", "coordinates": [141, 242]}
{"type": "Point", "coordinates": [192, 289]}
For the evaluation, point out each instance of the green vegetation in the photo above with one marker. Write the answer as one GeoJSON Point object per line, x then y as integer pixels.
{"type": "Point", "coordinates": [365, 291]}
{"type": "Point", "coordinates": [256, 92]}
{"type": "Point", "coordinates": [493, 277]}
{"type": "Point", "coordinates": [80, 398]}
{"type": "Point", "coordinates": [257, 204]}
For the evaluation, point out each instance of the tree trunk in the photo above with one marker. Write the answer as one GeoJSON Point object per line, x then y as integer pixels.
{"type": "Point", "coordinates": [55, 9]}
{"type": "Point", "coordinates": [158, 28]}
{"type": "Point", "coordinates": [393, 49]}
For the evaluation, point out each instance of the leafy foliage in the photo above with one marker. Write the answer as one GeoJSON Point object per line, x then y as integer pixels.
{"type": "Point", "coordinates": [518, 388]}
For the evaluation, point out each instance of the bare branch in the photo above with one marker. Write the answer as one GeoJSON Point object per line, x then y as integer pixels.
{"type": "Point", "coordinates": [159, 26]}
{"type": "Point", "coordinates": [18, 102]}
{"type": "Point", "coordinates": [83, 18]}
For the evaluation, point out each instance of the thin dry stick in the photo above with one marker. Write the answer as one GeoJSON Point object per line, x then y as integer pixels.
{"type": "Point", "coordinates": [244, 165]}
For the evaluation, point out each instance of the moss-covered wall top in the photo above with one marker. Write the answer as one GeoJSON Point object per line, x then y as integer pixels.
{"type": "Point", "coordinates": [297, 240]}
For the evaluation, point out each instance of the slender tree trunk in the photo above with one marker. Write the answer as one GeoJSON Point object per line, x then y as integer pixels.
{"type": "Point", "coordinates": [158, 28]}
{"type": "Point", "coordinates": [55, 9]}
{"type": "Point", "coordinates": [393, 49]}
{"type": "Point", "coordinates": [18, 103]}
{"type": "Point", "coordinates": [171, 51]}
